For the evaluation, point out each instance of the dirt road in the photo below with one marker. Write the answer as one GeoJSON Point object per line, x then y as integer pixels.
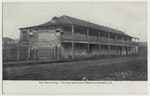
{"type": "Point", "coordinates": [127, 68]}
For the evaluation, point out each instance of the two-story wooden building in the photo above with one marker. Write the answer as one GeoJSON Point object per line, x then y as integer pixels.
{"type": "Point", "coordinates": [68, 37]}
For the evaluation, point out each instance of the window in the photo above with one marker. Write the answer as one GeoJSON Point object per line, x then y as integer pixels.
{"type": "Point", "coordinates": [31, 33]}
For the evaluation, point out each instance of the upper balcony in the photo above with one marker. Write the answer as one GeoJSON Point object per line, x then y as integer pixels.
{"type": "Point", "coordinates": [89, 35]}
{"type": "Point", "coordinates": [93, 39]}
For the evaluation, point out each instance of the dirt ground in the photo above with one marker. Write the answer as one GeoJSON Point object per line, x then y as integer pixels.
{"type": "Point", "coordinates": [116, 69]}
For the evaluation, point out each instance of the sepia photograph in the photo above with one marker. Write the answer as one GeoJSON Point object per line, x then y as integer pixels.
{"type": "Point", "coordinates": [72, 41]}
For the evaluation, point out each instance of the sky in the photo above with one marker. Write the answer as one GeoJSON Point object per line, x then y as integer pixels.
{"type": "Point", "coordinates": [128, 17]}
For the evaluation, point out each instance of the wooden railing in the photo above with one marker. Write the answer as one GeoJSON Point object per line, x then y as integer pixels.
{"type": "Point", "coordinates": [113, 41]}
{"type": "Point", "coordinates": [119, 41]}
{"type": "Point", "coordinates": [80, 37]}
{"type": "Point", "coordinates": [85, 38]}
{"type": "Point", "coordinates": [127, 42]}
{"type": "Point", "coordinates": [92, 39]}
{"type": "Point", "coordinates": [66, 37]}
{"type": "Point", "coordinates": [103, 40]}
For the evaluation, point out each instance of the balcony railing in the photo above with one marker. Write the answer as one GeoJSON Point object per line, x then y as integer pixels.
{"type": "Point", "coordinates": [119, 41]}
{"type": "Point", "coordinates": [66, 37]}
{"type": "Point", "coordinates": [85, 38]}
{"type": "Point", "coordinates": [113, 41]}
{"type": "Point", "coordinates": [80, 37]}
{"type": "Point", "coordinates": [92, 39]}
{"type": "Point", "coordinates": [103, 40]}
{"type": "Point", "coordinates": [127, 42]}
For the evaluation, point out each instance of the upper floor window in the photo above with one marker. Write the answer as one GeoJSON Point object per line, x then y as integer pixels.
{"type": "Point", "coordinates": [104, 34]}
{"type": "Point", "coordinates": [93, 32]}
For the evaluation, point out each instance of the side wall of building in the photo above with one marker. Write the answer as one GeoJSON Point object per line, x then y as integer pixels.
{"type": "Point", "coordinates": [41, 44]}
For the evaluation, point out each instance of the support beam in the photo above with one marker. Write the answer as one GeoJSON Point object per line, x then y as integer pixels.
{"type": "Point", "coordinates": [56, 52]}
{"type": "Point", "coordinates": [87, 34]}
{"type": "Point", "coordinates": [123, 40]}
{"type": "Point", "coordinates": [109, 44]}
{"type": "Point", "coordinates": [60, 56]}
{"type": "Point", "coordinates": [99, 34]}
{"type": "Point", "coordinates": [108, 50]}
{"type": "Point", "coordinates": [116, 49]}
{"type": "Point", "coordinates": [123, 50]}
{"type": "Point", "coordinates": [109, 37]}
{"type": "Point", "coordinates": [116, 39]}
{"type": "Point", "coordinates": [99, 49]}
{"type": "Point", "coordinates": [88, 49]}
{"type": "Point", "coordinates": [116, 45]}
{"type": "Point", "coordinates": [72, 50]}
{"type": "Point", "coordinates": [72, 27]}
{"type": "Point", "coordinates": [28, 53]}
{"type": "Point", "coordinates": [127, 50]}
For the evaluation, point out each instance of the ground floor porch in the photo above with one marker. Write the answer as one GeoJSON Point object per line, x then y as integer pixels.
{"type": "Point", "coordinates": [72, 50]}
{"type": "Point", "coordinates": [84, 50]}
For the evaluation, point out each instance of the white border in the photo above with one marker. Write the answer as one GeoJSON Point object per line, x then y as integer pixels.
{"type": "Point", "coordinates": [148, 28]}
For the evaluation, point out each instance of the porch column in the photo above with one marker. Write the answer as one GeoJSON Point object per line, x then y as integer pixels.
{"type": "Point", "coordinates": [123, 50]}
{"type": "Point", "coordinates": [123, 46]}
{"type": "Point", "coordinates": [116, 49]}
{"type": "Point", "coordinates": [108, 50]}
{"type": "Point", "coordinates": [87, 34]}
{"type": "Point", "coordinates": [99, 44]}
{"type": "Point", "coordinates": [127, 50]}
{"type": "Point", "coordinates": [99, 34]}
{"type": "Point", "coordinates": [123, 39]}
{"type": "Point", "coordinates": [109, 44]}
{"type": "Point", "coordinates": [109, 37]}
{"type": "Point", "coordinates": [88, 42]}
{"type": "Point", "coordinates": [72, 29]}
{"type": "Point", "coordinates": [29, 53]}
{"type": "Point", "coordinates": [99, 49]}
{"type": "Point", "coordinates": [116, 39]}
{"type": "Point", "coordinates": [88, 49]}
{"type": "Point", "coordinates": [116, 45]}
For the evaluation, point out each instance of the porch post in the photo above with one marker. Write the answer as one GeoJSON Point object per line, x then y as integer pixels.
{"type": "Point", "coordinates": [108, 50]}
{"type": "Point", "coordinates": [88, 42]}
{"type": "Point", "coordinates": [72, 29]}
{"type": "Point", "coordinates": [99, 49]}
{"type": "Point", "coordinates": [109, 44]}
{"type": "Point", "coordinates": [99, 36]}
{"type": "Point", "coordinates": [116, 45]}
{"type": "Point", "coordinates": [123, 50]}
{"type": "Point", "coordinates": [116, 50]}
{"type": "Point", "coordinates": [88, 49]}
{"type": "Point", "coordinates": [123, 46]}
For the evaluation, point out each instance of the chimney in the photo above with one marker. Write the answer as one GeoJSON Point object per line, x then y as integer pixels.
{"type": "Point", "coordinates": [55, 18]}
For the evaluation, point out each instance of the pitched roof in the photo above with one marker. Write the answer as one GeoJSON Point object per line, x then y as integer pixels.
{"type": "Point", "coordinates": [65, 20]}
